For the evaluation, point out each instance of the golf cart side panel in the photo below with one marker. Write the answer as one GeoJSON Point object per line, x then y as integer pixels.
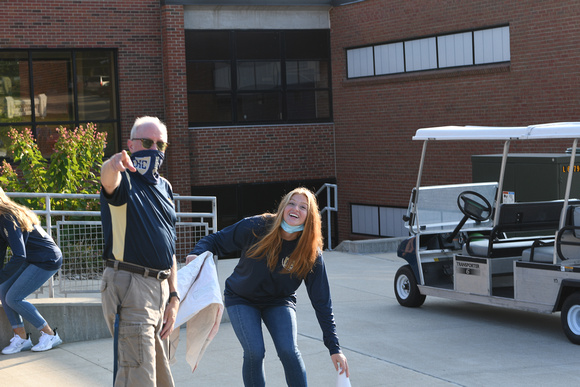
{"type": "Point", "coordinates": [540, 283]}
{"type": "Point", "coordinates": [472, 275]}
{"type": "Point", "coordinates": [485, 300]}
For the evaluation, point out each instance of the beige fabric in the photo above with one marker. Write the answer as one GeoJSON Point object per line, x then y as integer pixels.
{"type": "Point", "coordinates": [201, 307]}
{"type": "Point", "coordinates": [143, 356]}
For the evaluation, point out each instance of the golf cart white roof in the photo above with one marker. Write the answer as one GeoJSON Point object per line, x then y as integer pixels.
{"type": "Point", "coordinates": [558, 130]}
{"type": "Point", "coordinates": [543, 131]}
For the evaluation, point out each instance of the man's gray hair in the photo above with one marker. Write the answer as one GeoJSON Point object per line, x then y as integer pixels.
{"type": "Point", "coordinates": [149, 120]}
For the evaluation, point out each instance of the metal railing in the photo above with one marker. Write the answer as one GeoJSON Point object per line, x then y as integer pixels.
{"type": "Point", "coordinates": [331, 206]}
{"type": "Point", "coordinates": [79, 235]}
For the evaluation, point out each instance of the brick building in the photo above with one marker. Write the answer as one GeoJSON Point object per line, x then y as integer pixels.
{"type": "Point", "coordinates": [260, 96]}
{"type": "Point", "coordinates": [521, 68]}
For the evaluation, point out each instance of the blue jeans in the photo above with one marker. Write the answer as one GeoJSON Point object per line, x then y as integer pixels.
{"type": "Point", "coordinates": [15, 289]}
{"type": "Point", "coordinates": [281, 323]}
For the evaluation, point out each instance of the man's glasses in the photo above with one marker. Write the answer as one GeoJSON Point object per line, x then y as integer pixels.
{"type": "Point", "coordinates": [148, 143]}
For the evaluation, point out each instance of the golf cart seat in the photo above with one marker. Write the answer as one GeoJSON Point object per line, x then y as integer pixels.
{"type": "Point", "coordinates": [529, 224]}
{"type": "Point", "coordinates": [567, 243]}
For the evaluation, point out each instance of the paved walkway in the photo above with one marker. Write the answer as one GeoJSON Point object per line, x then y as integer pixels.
{"type": "Point", "coordinates": [443, 343]}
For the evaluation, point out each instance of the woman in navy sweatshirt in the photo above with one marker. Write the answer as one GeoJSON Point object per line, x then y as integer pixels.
{"type": "Point", "coordinates": [35, 258]}
{"type": "Point", "coordinates": [278, 252]}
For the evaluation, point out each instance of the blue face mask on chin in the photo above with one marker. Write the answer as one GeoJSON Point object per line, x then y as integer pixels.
{"type": "Point", "coordinates": [291, 229]}
{"type": "Point", "coordinates": [147, 162]}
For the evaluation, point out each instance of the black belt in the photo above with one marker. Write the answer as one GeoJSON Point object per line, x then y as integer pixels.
{"type": "Point", "coordinates": [133, 268]}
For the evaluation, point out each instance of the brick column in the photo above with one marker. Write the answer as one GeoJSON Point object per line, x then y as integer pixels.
{"type": "Point", "coordinates": [175, 94]}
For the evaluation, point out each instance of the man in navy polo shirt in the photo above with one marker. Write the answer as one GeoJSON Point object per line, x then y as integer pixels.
{"type": "Point", "coordinates": [139, 284]}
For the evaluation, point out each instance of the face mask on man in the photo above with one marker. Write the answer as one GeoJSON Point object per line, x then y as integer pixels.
{"type": "Point", "coordinates": [147, 162]}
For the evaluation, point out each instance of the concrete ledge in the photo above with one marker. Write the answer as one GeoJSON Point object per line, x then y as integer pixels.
{"type": "Point", "coordinates": [384, 245]}
{"type": "Point", "coordinates": [76, 319]}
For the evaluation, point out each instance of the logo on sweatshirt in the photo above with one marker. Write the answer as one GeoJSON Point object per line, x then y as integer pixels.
{"type": "Point", "coordinates": [287, 264]}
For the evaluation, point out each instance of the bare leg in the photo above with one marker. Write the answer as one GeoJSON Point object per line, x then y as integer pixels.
{"type": "Point", "coordinates": [20, 332]}
{"type": "Point", "coordinates": [48, 330]}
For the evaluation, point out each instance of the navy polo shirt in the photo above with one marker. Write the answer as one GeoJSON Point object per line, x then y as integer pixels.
{"type": "Point", "coordinates": [139, 222]}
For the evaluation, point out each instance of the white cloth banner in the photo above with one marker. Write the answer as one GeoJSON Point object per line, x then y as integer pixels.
{"type": "Point", "coordinates": [201, 307]}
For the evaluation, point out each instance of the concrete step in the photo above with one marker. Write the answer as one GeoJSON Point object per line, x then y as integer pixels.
{"type": "Point", "coordinates": [382, 245]}
{"type": "Point", "coordinates": [76, 319]}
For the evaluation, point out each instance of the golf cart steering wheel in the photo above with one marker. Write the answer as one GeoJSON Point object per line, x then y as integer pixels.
{"type": "Point", "coordinates": [471, 209]}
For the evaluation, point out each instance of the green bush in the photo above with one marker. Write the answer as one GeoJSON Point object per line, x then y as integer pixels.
{"type": "Point", "coordinates": [74, 166]}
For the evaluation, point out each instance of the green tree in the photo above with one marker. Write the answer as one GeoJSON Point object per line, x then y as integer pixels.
{"type": "Point", "coordinates": [72, 168]}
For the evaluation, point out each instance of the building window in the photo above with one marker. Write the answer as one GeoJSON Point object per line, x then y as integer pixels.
{"type": "Point", "coordinates": [45, 89]}
{"type": "Point", "coordinates": [470, 48]}
{"type": "Point", "coordinates": [378, 221]}
{"type": "Point", "coordinates": [258, 77]}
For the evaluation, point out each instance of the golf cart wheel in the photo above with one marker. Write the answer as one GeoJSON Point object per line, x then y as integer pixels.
{"type": "Point", "coordinates": [406, 289]}
{"type": "Point", "coordinates": [570, 316]}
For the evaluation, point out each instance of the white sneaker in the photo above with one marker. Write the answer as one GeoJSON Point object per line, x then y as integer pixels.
{"type": "Point", "coordinates": [18, 344]}
{"type": "Point", "coordinates": [47, 342]}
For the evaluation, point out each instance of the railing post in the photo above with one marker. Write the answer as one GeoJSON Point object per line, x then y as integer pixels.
{"type": "Point", "coordinates": [329, 208]}
{"type": "Point", "coordinates": [49, 229]}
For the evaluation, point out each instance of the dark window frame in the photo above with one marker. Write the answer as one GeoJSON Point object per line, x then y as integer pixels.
{"type": "Point", "coordinates": [437, 68]}
{"type": "Point", "coordinates": [283, 92]}
{"type": "Point", "coordinates": [75, 122]}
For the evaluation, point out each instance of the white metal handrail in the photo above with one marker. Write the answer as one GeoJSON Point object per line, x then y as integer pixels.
{"type": "Point", "coordinates": [331, 198]}
{"type": "Point", "coordinates": [53, 217]}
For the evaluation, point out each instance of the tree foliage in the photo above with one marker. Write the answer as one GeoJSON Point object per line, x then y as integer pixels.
{"type": "Point", "coordinates": [74, 166]}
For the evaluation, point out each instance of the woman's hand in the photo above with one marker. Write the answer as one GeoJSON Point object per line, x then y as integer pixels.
{"type": "Point", "coordinates": [340, 363]}
{"type": "Point", "coordinates": [190, 258]}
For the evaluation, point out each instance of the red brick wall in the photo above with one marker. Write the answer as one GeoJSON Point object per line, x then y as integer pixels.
{"type": "Point", "coordinates": [175, 94]}
{"type": "Point", "coordinates": [258, 154]}
{"type": "Point", "coordinates": [375, 118]}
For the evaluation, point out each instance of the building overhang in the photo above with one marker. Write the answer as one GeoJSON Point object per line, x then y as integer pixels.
{"type": "Point", "coordinates": [295, 3]}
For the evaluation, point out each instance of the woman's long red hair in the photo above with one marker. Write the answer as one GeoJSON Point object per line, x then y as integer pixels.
{"type": "Point", "coordinates": [303, 258]}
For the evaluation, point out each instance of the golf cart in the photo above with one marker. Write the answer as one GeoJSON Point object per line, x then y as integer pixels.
{"type": "Point", "coordinates": [472, 242]}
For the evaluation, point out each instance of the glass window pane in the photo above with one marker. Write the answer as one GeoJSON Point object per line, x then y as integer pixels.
{"type": "Point", "coordinates": [46, 137]}
{"type": "Point", "coordinates": [360, 62]}
{"type": "Point", "coordinates": [421, 54]}
{"type": "Point", "coordinates": [308, 44]}
{"type": "Point", "coordinates": [389, 59]}
{"type": "Point", "coordinates": [96, 85]}
{"type": "Point", "coordinates": [492, 45]}
{"type": "Point", "coordinates": [257, 45]}
{"type": "Point", "coordinates": [307, 74]}
{"type": "Point", "coordinates": [207, 45]}
{"type": "Point", "coordinates": [52, 77]}
{"type": "Point", "coordinates": [14, 87]}
{"type": "Point", "coordinates": [210, 108]}
{"type": "Point", "coordinates": [254, 107]}
{"type": "Point", "coordinates": [259, 75]}
{"type": "Point", "coordinates": [308, 105]}
{"type": "Point", "coordinates": [455, 50]}
{"type": "Point", "coordinates": [209, 76]}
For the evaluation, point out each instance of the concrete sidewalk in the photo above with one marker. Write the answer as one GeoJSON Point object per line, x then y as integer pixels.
{"type": "Point", "coordinates": [443, 343]}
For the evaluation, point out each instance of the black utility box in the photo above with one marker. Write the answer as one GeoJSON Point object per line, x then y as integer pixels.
{"type": "Point", "coordinates": [529, 176]}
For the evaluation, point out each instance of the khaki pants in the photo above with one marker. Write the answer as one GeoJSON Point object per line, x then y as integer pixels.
{"type": "Point", "coordinates": [142, 356]}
